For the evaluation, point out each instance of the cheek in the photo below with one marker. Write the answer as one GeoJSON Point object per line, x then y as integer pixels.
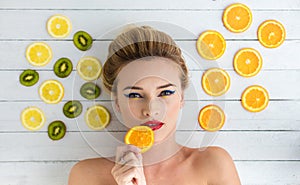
{"type": "Point", "coordinates": [134, 107]}
{"type": "Point", "coordinates": [173, 108]}
{"type": "Point", "coordinates": [130, 109]}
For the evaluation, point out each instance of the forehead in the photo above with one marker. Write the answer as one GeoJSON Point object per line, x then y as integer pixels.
{"type": "Point", "coordinates": [157, 67]}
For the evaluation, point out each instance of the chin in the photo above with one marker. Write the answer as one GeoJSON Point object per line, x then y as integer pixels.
{"type": "Point", "coordinates": [163, 135]}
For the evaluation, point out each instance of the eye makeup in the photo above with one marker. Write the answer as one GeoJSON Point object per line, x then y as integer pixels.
{"type": "Point", "coordinates": [162, 94]}
{"type": "Point", "coordinates": [166, 93]}
{"type": "Point", "coordinates": [133, 95]}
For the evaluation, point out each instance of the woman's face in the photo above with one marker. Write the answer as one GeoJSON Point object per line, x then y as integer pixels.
{"type": "Point", "coordinates": [149, 93]}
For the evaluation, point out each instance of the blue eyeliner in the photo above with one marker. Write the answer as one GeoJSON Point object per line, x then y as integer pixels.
{"type": "Point", "coordinates": [128, 95]}
{"type": "Point", "coordinates": [137, 94]}
{"type": "Point", "coordinates": [171, 92]}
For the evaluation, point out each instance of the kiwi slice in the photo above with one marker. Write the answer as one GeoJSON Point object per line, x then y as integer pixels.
{"type": "Point", "coordinates": [56, 130]}
{"type": "Point", "coordinates": [82, 40]}
{"type": "Point", "coordinates": [29, 77]}
{"type": "Point", "coordinates": [63, 67]}
{"type": "Point", "coordinates": [72, 109]}
{"type": "Point", "coordinates": [90, 91]}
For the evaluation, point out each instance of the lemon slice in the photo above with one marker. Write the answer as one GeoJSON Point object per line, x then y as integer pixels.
{"type": "Point", "coordinates": [89, 68]}
{"type": "Point", "coordinates": [33, 118]}
{"type": "Point", "coordinates": [140, 136]}
{"type": "Point", "coordinates": [59, 26]}
{"type": "Point", "coordinates": [97, 117]}
{"type": "Point", "coordinates": [51, 91]}
{"type": "Point", "coordinates": [38, 54]}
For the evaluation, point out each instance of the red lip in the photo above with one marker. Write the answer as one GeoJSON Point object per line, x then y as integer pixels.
{"type": "Point", "coordinates": [154, 125]}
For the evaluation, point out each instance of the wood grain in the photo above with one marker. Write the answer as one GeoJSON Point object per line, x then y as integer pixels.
{"type": "Point", "coordinates": [173, 22]}
{"type": "Point", "coordinates": [153, 5]}
{"type": "Point", "coordinates": [246, 145]}
{"type": "Point", "coordinates": [264, 145]}
{"type": "Point", "coordinates": [273, 118]}
{"type": "Point", "coordinates": [272, 59]}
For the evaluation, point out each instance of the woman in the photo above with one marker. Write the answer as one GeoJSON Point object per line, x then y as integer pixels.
{"type": "Point", "coordinates": [146, 74]}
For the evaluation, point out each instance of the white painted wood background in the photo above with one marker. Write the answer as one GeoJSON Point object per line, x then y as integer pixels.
{"type": "Point", "coordinates": [265, 146]}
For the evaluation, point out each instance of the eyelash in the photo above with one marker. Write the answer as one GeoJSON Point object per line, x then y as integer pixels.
{"type": "Point", "coordinates": [137, 95]}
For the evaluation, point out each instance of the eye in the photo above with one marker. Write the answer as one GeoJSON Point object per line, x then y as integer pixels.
{"type": "Point", "coordinates": [166, 93]}
{"type": "Point", "coordinates": [133, 95]}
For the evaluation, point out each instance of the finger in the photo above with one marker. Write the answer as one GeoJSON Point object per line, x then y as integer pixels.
{"type": "Point", "coordinates": [132, 159]}
{"type": "Point", "coordinates": [120, 152]}
{"type": "Point", "coordinates": [137, 152]}
{"type": "Point", "coordinates": [119, 171]}
{"type": "Point", "coordinates": [130, 156]}
{"type": "Point", "coordinates": [126, 148]}
{"type": "Point", "coordinates": [130, 174]}
{"type": "Point", "coordinates": [134, 149]}
{"type": "Point", "coordinates": [123, 151]}
{"type": "Point", "coordinates": [125, 175]}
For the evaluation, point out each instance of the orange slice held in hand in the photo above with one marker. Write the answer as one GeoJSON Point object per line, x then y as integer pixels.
{"type": "Point", "coordinates": [140, 136]}
{"type": "Point", "coordinates": [237, 18]}
{"type": "Point", "coordinates": [255, 98]}
{"type": "Point", "coordinates": [211, 118]}
{"type": "Point", "coordinates": [247, 62]}
{"type": "Point", "coordinates": [215, 81]}
{"type": "Point", "coordinates": [271, 34]}
{"type": "Point", "coordinates": [211, 45]}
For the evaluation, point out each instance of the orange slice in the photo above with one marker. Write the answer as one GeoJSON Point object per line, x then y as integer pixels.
{"type": "Point", "coordinates": [255, 98]}
{"type": "Point", "coordinates": [211, 118]}
{"type": "Point", "coordinates": [97, 117]}
{"type": "Point", "coordinates": [271, 33]}
{"type": "Point", "coordinates": [33, 118]}
{"type": "Point", "coordinates": [59, 26]}
{"type": "Point", "coordinates": [211, 45]}
{"type": "Point", "coordinates": [247, 62]}
{"type": "Point", "coordinates": [237, 18]}
{"type": "Point", "coordinates": [140, 136]}
{"type": "Point", "coordinates": [51, 91]}
{"type": "Point", "coordinates": [38, 54]}
{"type": "Point", "coordinates": [215, 81]}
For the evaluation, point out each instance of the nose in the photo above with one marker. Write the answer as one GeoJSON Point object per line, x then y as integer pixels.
{"type": "Point", "coordinates": [153, 108]}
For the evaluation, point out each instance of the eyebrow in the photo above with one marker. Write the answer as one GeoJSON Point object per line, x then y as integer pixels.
{"type": "Point", "coordinates": [139, 88]}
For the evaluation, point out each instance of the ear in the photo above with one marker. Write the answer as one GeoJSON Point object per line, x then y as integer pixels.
{"type": "Point", "coordinates": [116, 101]}
{"type": "Point", "coordinates": [182, 102]}
{"type": "Point", "coordinates": [117, 106]}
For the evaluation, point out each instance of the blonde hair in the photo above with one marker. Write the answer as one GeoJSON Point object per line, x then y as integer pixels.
{"type": "Point", "coordinates": [136, 43]}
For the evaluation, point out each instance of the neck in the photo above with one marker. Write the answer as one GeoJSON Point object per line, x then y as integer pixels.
{"type": "Point", "coordinates": [161, 151]}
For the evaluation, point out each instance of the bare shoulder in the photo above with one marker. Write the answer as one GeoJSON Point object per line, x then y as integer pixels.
{"type": "Point", "coordinates": [91, 171]}
{"type": "Point", "coordinates": [216, 162]}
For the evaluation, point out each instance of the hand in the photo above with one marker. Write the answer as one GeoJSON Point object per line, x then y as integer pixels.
{"type": "Point", "coordinates": [128, 169]}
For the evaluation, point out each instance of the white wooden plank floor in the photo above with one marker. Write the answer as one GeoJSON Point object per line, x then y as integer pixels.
{"type": "Point", "coordinates": [265, 146]}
